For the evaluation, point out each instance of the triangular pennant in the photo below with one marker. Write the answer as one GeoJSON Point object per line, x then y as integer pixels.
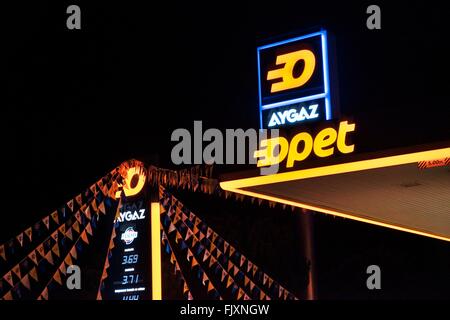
{"type": "Point", "coordinates": [189, 254]}
{"type": "Point", "coordinates": [62, 268]}
{"type": "Point", "coordinates": [208, 232]}
{"type": "Point", "coordinates": [192, 216]}
{"type": "Point", "coordinates": [252, 285]}
{"type": "Point", "coordinates": [185, 288]}
{"type": "Point", "coordinates": [55, 235]}
{"type": "Point", "coordinates": [8, 277]}
{"type": "Point", "coordinates": [246, 297]}
{"type": "Point", "coordinates": [240, 294]}
{"type": "Point", "coordinates": [255, 268]}
{"type": "Point", "coordinates": [188, 234]}
{"type": "Point", "coordinates": [54, 216]}
{"type": "Point", "coordinates": [224, 274]}
{"type": "Point", "coordinates": [101, 207]}
{"type": "Point", "coordinates": [201, 237]}
{"type": "Point", "coordinates": [285, 294]}
{"type": "Point", "coordinates": [68, 260]}
{"type": "Point", "coordinates": [8, 296]}
{"type": "Point", "coordinates": [2, 252]}
{"type": "Point", "coordinates": [262, 295]}
{"type": "Point", "coordinates": [280, 291]}
{"type": "Point", "coordinates": [204, 279]}
{"type": "Point", "coordinates": [32, 256]}
{"type": "Point", "coordinates": [246, 280]}
{"type": "Point", "coordinates": [89, 229]}
{"type": "Point", "coordinates": [214, 237]}
{"type": "Point", "coordinates": [229, 281]}
{"type": "Point", "coordinates": [225, 246]}
{"type": "Point", "coordinates": [232, 250]}
{"type": "Point", "coordinates": [62, 228]}
{"type": "Point", "coordinates": [57, 277]}
{"type": "Point", "coordinates": [49, 257]}
{"type": "Point", "coordinates": [84, 237]}
{"type": "Point", "coordinates": [33, 274]}
{"type": "Point", "coordinates": [70, 205]}
{"type": "Point", "coordinates": [210, 286]}
{"type": "Point", "coordinates": [212, 261]}
{"type": "Point", "coordinates": [196, 230]}
{"type": "Point", "coordinates": [41, 250]}
{"type": "Point", "coordinates": [171, 228]}
{"type": "Point", "coordinates": [19, 238]}
{"type": "Point", "coordinates": [26, 281]}
{"type": "Point", "coordinates": [78, 216]}
{"type": "Point", "coordinates": [69, 234]}
{"type": "Point", "coordinates": [178, 237]}
{"type": "Point", "coordinates": [270, 282]}
{"type": "Point", "coordinates": [16, 270]}
{"type": "Point", "coordinates": [76, 226]}
{"type": "Point", "coordinates": [206, 256]}
{"type": "Point", "coordinates": [46, 221]}
{"type": "Point", "coordinates": [55, 250]}
{"type": "Point", "coordinates": [190, 297]}
{"type": "Point", "coordinates": [44, 294]}
{"type": "Point", "coordinates": [87, 213]}
{"type": "Point", "coordinates": [242, 260]}
{"type": "Point", "coordinates": [249, 265]}
{"type": "Point", "coordinates": [194, 263]}
{"type": "Point", "coordinates": [265, 278]}
{"type": "Point", "coordinates": [29, 232]}
{"type": "Point", "coordinates": [79, 199]}
{"type": "Point", "coordinates": [235, 270]}
{"type": "Point", "coordinates": [230, 265]}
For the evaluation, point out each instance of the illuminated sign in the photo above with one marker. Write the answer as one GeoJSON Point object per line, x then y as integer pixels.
{"type": "Point", "coordinates": [293, 75]}
{"type": "Point", "coordinates": [131, 216]}
{"type": "Point", "coordinates": [129, 235]}
{"type": "Point", "coordinates": [303, 144]}
{"type": "Point", "coordinates": [132, 275]}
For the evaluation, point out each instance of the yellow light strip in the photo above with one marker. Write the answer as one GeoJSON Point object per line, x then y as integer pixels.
{"type": "Point", "coordinates": [337, 169]}
{"type": "Point", "coordinates": [335, 213]}
{"type": "Point", "coordinates": [156, 251]}
{"type": "Point", "coordinates": [235, 185]}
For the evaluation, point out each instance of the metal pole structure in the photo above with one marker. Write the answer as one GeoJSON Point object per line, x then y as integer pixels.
{"type": "Point", "coordinates": [306, 220]}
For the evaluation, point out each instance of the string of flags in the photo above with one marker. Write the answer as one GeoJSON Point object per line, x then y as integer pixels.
{"type": "Point", "coordinates": [199, 178]}
{"type": "Point", "coordinates": [236, 272]}
{"type": "Point", "coordinates": [72, 223]}
{"type": "Point", "coordinates": [173, 260]}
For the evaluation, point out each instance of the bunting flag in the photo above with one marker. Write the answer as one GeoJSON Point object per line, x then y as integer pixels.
{"type": "Point", "coordinates": [89, 229]}
{"type": "Point", "coordinates": [54, 216]}
{"type": "Point", "coordinates": [8, 296]}
{"type": "Point", "coordinates": [41, 250]}
{"type": "Point", "coordinates": [87, 213]}
{"type": "Point", "coordinates": [33, 274]}
{"type": "Point", "coordinates": [69, 234]}
{"type": "Point", "coordinates": [19, 238]}
{"type": "Point", "coordinates": [57, 277]}
{"type": "Point", "coordinates": [26, 282]}
{"type": "Point", "coordinates": [70, 205]}
{"type": "Point", "coordinates": [79, 199]}
{"type": "Point", "coordinates": [54, 235]}
{"type": "Point", "coordinates": [2, 252]}
{"type": "Point", "coordinates": [29, 232]}
{"type": "Point", "coordinates": [49, 257]}
{"type": "Point", "coordinates": [229, 281]}
{"type": "Point", "coordinates": [55, 250]}
{"type": "Point", "coordinates": [249, 265]}
{"type": "Point", "coordinates": [68, 260]}
{"type": "Point", "coordinates": [62, 228]}
{"type": "Point", "coordinates": [78, 216]}
{"type": "Point", "coordinates": [210, 286]}
{"type": "Point", "coordinates": [8, 277]}
{"type": "Point", "coordinates": [84, 237]}
{"type": "Point", "coordinates": [63, 268]}
{"type": "Point", "coordinates": [101, 207]}
{"type": "Point", "coordinates": [73, 252]}
{"type": "Point", "coordinates": [44, 294]}
{"type": "Point", "coordinates": [240, 294]}
{"type": "Point", "coordinates": [76, 226]}
{"type": "Point", "coordinates": [46, 221]}
{"type": "Point", "coordinates": [32, 256]}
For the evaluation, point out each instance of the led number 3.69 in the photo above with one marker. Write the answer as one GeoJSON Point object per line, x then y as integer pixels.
{"type": "Point", "coordinates": [130, 259]}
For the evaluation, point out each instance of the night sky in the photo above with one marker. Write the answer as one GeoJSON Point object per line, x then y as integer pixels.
{"type": "Point", "coordinates": [79, 102]}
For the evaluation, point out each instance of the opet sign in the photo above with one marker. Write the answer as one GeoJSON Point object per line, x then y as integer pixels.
{"type": "Point", "coordinates": [325, 143]}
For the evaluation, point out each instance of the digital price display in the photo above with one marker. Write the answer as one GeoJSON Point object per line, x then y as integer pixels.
{"type": "Point", "coordinates": [130, 261]}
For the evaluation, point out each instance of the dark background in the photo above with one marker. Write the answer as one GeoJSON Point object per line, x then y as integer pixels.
{"type": "Point", "coordinates": [79, 102]}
